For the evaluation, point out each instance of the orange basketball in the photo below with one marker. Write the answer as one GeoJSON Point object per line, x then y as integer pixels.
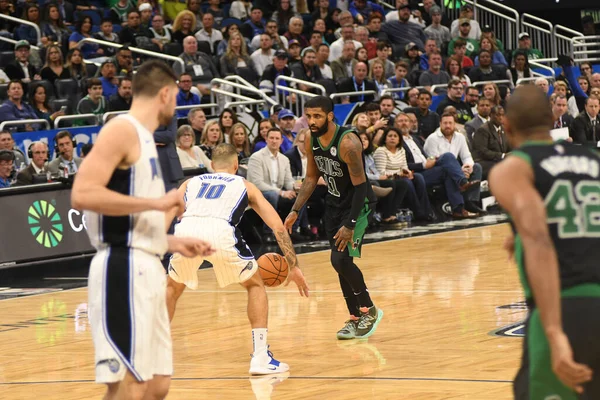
{"type": "Point", "coordinates": [273, 269]}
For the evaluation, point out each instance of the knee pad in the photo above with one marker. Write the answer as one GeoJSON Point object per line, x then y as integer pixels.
{"type": "Point", "coordinates": [340, 261]}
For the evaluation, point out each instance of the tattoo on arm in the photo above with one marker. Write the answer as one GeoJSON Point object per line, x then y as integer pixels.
{"type": "Point", "coordinates": [352, 156]}
{"type": "Point", "coordinates": [285, 243]}
{"type": "Point", "coordinates": [307, 189]}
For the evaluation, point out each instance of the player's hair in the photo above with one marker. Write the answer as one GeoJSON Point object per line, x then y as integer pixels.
{"type": "Point", "coordinates": [151, 77]}
{"type": "Point", "coordinates": [322, 102]}
{"type": "Point", "coordinates": [524, 118]}
{"type": "Point", "coordinates": [223, 155]}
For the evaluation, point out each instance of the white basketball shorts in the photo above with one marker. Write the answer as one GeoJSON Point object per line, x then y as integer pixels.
{"type": "Point", "coordinates": [128, 315]}
{"type": "Point", "coordinates": [233, 262]}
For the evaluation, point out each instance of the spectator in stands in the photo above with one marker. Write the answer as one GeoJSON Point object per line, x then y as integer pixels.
{"type": "Point", "coordinates": [287, 119]}
{"type": "Point", "coordinates": [65, 154]}
{"type": "Point", "coordinates": [377, 75]}
{"type": "Point", "coordinates": [240, 9]}
{"type": "Point", "coordinates": [27, 32]}
{"type": "Point", "coordinates": [38, 154]}
{"type": "Point", "coordinates": [280, 42]}
{"type": "Point", "coordinates": [323, 11]}
{"type": "Point", "coordinates": [402, 32]}
{"type": "Point", "coordinates": [7, 143]}
{"type": "Point", "coordinates": [543, 84]}
{"type": "Point", "coordinates": [362, 124]}
{"type": "Point", "coordinates": [75, 65]}
{"type": "Point", "coordinates": [560, 88]}
{"type": "Point", "coordinates": [357, 83]}
{"type": "Point", "coordinates": [520, 68]}
{"type": "Point", "coordinates": [272, 71]}
{"type": "Point", "coordinates": [263, 57]}
{"type": "Point", "coordinates": [184, 26]}
{"type": "Point", "coordinates": [374, 27]}
{"type": "Point", "coordinates": [492, 93]}
{"type": "Point", "coordinates": [343, 66]}
{"type": "Point", "coordinates": [454, 69]}
{"type": "Point", "coordinates": [315, 39]}
{"type": "Point", "coordinates": [454, 98]}
{"type": "Point", "coordinates": [486, 71]}
{"type": "Point", "coordinates": [185, 97]}
{"type": "Point", "coordinates": [343, 18]}
{"type": "Point", "coordinates": [436, 30]}
{"type": "Point", "coordinates": [429, 121]}
{"type": "Point", "coordinates": [400, 6]}
{"type": "Point", "coordinates": [238, 137]}
{"type": "Point", "coordinates": [7, 160]}
{"type": "Point", "coordinates": [489, 33]}
{"type": "Point", "coordinates": [284, 13]}
{"type": "Point", "coordinates": [489, 142]}
{"type": "Point", "coordinates": [14, 108]}
{"type": "Point", "coordinates": [322, 57]}
{"type": "Point", "coordinates": [383, 51]}
{"type": "Point", "coordinates": [270, 171]}
{"type": "Point", "coordinates": [145, 10]}
{"type": "Point", "coordinates": [212, 136]}
{"type": "Point", "coordinates": [336, 49]}
{"type": "Point", "coordinates": [161, 34]}
{"type": "Point", "coordinates": [109, 81]}
{"type": "Point", "coordinates": [390, 160]}
{"type": "Point", "coordinates": [83, 29]}
{"type": "Point", "coordinates": [197, 120]}
{"type": "Point", "coordinates": [361, 9]}
{"type": "Point", "coordinates": [121, 101]}
{"type": "Point", "coordinates": [585, 68]}
{"type": "Point", "coordinates": [94, 102]}
{"type": "Point", "coordinates": [208, 33]}
{"type": "Point", "coordinates": [399, 79]}
{"type": "Point", "coordinates": [227, 119]}
{"type": "Point", "coordinates": [414, 125]}
{"type": "Point", "coordinates": [190, 156]}
{"type": "Point", "coordinates": [39, 103]}
{"type": "Point", "coordinates": [237, 61]}
{"type": "Point", "coordinates": [124, 61]}
{"type": "Point", "coordinates": [195, 7]}
{"type": "Point", "coordinates": [471, 44]}
{"type": "Point", "coordinates": [460, 50]}
{"type": "Point", "coordinates": [54, 68]}
{"type": "Point", "coordinates": [386, 107]}
{"type": "Point", "coordinates": [260, 140]}
{"type": "Point", "coordinates": [217, 12]}
{"type": "Point", "coordinates": [106, 33]}
{"type": "Point", "coordinates": [412, 59]}
{"type": "Point", "coordinates": [577, 103]}
{"type": "Point", "coordinates": [585, 129]}
{"type": "Point", "coordinates": [483, 116]}
{"type": "Point", "coordinates": [460, 128]}
{"type": "Point", "coordinates": [413, 97]}
{"type": "Point", "coordinates": [21, 69]}
{"type": "Point", "coordinates": [199, 65]}
{"type": "Point", "coordinates": [447, 140]}
{"type": "Point", "coordinates": [118, 12]}
{"type": "Point", "coordinates": [430, 48]}
{"type": "Point", "coordinates": [255, 25]}
{"type": "Point", "coordinates": [307, 70]}
{"type": "Point", "coordinates": [472, 97]}
{"type": "Point", "coordinates": [525, 46]}
{"type": "Point", "coordinates": [135, 34]}
{"type": "Point", "coordinates": [559, 111]}
{"type": "Point", "coordinates": [435, 75]}
{"type": "Point", "coordinates": [466, 13]}
{"type": "Point", "coordinates": [489, 45]}
{"type": "Point", "coordinates": [54, 28]}
{"type": "Point", "coordinates": [362, 55]}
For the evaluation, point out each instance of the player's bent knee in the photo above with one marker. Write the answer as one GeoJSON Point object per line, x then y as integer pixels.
{"type": "Point", "coordinates": [254, 281]}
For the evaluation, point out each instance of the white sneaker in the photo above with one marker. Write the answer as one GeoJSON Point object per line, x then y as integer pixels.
{"type": "Point", "coordinates": [264, 364]}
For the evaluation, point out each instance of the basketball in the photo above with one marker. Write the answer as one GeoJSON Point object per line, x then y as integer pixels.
{"type": "Point", "coordinates": [273, 269]}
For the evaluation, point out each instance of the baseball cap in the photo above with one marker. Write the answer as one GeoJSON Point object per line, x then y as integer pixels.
{"type": "Point", "coordinates": [410, 46]}
{"type": "Point", "coordinates": [466, 7]}
{"type": "Point", "coordinates": [144, 7]}
{"type": "Point", "coordinates": [435, 10]}
{"type": "Point", "coordinates": [276, 108]}
{"type": "Point", "coordinates": [523, 35]}
{"type": "Point", "coordinates": [281, 54]}
{"type": "Point", "coordinates": [285, 113]}
{"type": "Point", "coordinates": [22, 43]}
{"type": "Point", "coordinates": [464, 21]}
{"type": "Point", "coordinates": [486, 28]}
{"type": "Point", "coordinates": [403, 6]}
{"type": "Point", "coordinates": [293, 42]}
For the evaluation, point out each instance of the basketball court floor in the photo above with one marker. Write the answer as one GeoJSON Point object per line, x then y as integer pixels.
{"type": "Point", "coordinates": [452, 304]}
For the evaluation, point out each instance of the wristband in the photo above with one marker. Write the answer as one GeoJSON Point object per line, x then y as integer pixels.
{"type": "Point", "coordinates": [296, 211]}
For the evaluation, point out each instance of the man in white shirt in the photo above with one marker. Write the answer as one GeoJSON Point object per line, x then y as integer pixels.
{"type": "Point", "coordinates": [207, 33]}
{"type": "Point", "coordinates": [447, 140]}
{"type": "Point", "coordinates": [322, 57]}
{"type": "Point", "coordinates": [395, 16]}
{"type": "Point", "coordinates": [483, 115]}
{"type": "Point", "coordinates": [335, 51]}
{"type": "Point", "coordinates": [264, 55]}
{"type": "Point", "coordinates": [279, 42]}
{"type": "Point", "coordinates": [38, 154]}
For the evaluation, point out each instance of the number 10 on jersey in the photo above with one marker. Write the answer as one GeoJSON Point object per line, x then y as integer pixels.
{"type": "Point", "coordinates": [210, 191]}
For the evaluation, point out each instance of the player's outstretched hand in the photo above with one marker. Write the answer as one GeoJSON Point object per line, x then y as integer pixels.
{"type": "Point", "coordinates": [343, 237]}
{"type": "Point", "coordinates": [289, 221]}
{"type": "Point", "coordinates": [297, 277]}
{"type": "Point", "coordinates": [571, 373]}
{"type": "Point", "coordinates": [190, 247]}
{"type": "Point", "coordinates": [170, 200]}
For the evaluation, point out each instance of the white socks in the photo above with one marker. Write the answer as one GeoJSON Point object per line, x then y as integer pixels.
{"type": "Point", "coordinates": [259, 340]}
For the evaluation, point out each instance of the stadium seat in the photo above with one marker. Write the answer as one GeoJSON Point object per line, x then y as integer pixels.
{"type": "Point", "coordinates": [68, 89]}
{"type": "Point", "coordinates": [6, 57]}
{"type": "Point", "coordinates": [3, 92]}
{"type": "Point", "coordinates": [204, 47]}
{"type": "Point", "coordinates": [49, 89]}
{"type": "Point", "coordinates": [56, 104]}
{"type": "Point", "coordinates": [229, 21]}
{"type": "Point", "coordinates": [91, 69]}
{"type": "Point", "coordinates": [174, 49]}
{"type": "Point", "coordinates": [329, 85]}
{"type": "Point", "coordinates": [93, 14]}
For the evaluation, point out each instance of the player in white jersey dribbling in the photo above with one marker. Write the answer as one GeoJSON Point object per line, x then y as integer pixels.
{"type": "Point", "coordinates": [119, 185]}
{"type": "Point", "coordinates": [215, 204]}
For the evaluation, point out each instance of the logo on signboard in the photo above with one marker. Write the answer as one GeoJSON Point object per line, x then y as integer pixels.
{"type": "Point", "coordinates": [45, 223]}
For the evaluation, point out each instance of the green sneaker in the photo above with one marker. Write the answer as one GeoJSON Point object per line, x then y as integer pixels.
{"type": "Point", "coordinates": [367, 324]}
{"type": "Point", "coordinates": [348, 331]}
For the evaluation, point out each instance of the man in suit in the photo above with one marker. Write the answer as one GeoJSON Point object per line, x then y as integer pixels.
{"type": "Point", "coordinates": [560, 114]}
{"type": "Point", "coordinates": [21, 69]}
{"type": "Point", "coordinates": [483, 115]}
{"type": "Point", "coordinates": [586, 127]}
{"type": "Point", "coordinates": [342, 67]}
{"type": "Point", "coordinates": [38, 154]}
{"type": "Point", "coordinates": [489, 143]}
{"type": "Point", "coordinates": [65, 154]}
{"type": "Point", "coordinates": [357, 83]}
{"type": "Point", "coordinates": [270, 171]}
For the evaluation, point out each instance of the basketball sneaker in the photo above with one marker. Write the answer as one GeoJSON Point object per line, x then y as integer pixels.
{"type": "Point", "coordinates": [368, 321]}
{"type": "Point", "coordinates": [348, 331]}
{"type": "Point", "coordinates": [264, 364]}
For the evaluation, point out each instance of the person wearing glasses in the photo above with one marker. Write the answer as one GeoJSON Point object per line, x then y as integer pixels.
{"type": "Point", "coordinates": [454, 98]}
{"type": "Point", "coordinates": [38, 154]}
{"type": "Point", "coordinates": [7, 159]}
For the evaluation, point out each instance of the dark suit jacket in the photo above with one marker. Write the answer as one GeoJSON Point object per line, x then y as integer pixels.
{"type": "Point", "coordinates": [487, 147]}
{"type": "Point", "coordinates": [582, 131]}
{"type": "Point", "coordinates": [165, 137]}
{"type": "Point", "coordinates": [472, 126]}
{"type": "Point", "coordinates": [410, 159]}
{"type": "Point", "coordinates": [566, 121]}
{"type": "Point", "coordinates": [347, 85]}
{"type": "Point", "coordinates": [25, 177]}
{"type": "Point", "coordinates": [14, 71]}
{"type": "Point", "coordinates": [295, 161]}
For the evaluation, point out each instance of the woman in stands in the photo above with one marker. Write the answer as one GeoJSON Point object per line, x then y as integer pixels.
{"type": "Point", "coordinates": [283, 14]}
{"type": "Point", "coordinates": [392, 203]}
{"type": "Point", "coordinates": [39, 101]}
{"type": "Point", "coordinates": [227, 119]}
{"type": "Point", "coordinates": [361, 122]}
{"type": "Point", "coordinates": [361, 54]}
{"type": "Point", "coordinates": [83, 30]}
{"type": "Point", "coordinates": [390, 160]}
{"type": "Point", "coordinates": [455, 70]}
{"type": "Point", "coordinates": [491, 92]}
{"type": "Point", "coordinates": [183, 26]}
{"type": "Point", "coordinates": [489, 45]}
{"type": "Point", "coordinates": [520, 68]}
{"type": "Point", "coordinates": [260, 140]}
{"type": "Point", "coordinates": [54, 28]}
{"type": "Point", "coordinates": [75, 65]}
{"type": "Point", "coordinates": [238, 137]}
{"type": "Point", "coordinates": [237, 61]}
{"type": "Point", "coordinates": [212, 136]}
{"type": "Point", "coordinates": [54, 67]}
{"type": "Point", "coordinates": [27, 32]}
{"type": "Point", "coordinates": [377, 74]}
{"type": "Point", "coordinates": [190, 156]}
{"type": "Point", "coordinates": [229, 30]}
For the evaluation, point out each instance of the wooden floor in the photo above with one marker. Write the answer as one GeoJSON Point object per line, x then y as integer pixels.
{"type": "Point", "coordinates": [439, 294]}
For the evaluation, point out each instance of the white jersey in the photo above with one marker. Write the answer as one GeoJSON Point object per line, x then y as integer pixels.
{"type": "Point", "coordinates": [145, 230]}
{"type": "Point", "coordinates": [219, 195]}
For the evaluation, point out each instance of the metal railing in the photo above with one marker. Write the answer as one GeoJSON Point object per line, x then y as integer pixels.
{"type": "Point", "coordinates": [301, 95]}
{"type": "Point", "coordinates": [394, 92]}
{"type": "Point", "coordinates": [499, 82]}
{"type": "Point", "coordinates": [333, 96]}
{"type": "Point", "coordinates": [540, 32]}
{"type": "Point", "coordinates": [563, 40]}
{"type": "Point", "coordinates": [219, 86]}
{"type": "Point", "coordinates": [25, 22]}
{"type": "Point", "coordinates": [505, 20]}
{"type": "Point", "coordinates": [433, 88]}
{"type": "Point", "coordinates": [535, 78]}
{"type": "Point", "coordinates": [538, 64]}
{"type": "Point", "coordinates": [24, 122]}
{"type": "Point", "coordinates": [76, 117]}
{"type": "Point", "coordinates": [586, 48]}
{"type": "Point", "coordinates": [133, 50]}
{"type": "Point", "coordinates": [253, 88]}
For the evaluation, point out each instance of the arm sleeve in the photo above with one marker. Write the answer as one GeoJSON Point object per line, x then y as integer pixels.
{"type": "Point", "coordinates": [464, 153]}
{"type": "Point", "coordinates": [358, 203]}
{"type": "Point", "coordinates": [570, 74]}
{"type": "Point", "coordinates": [380, 160]}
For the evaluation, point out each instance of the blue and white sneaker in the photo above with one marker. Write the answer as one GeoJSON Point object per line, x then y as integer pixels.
{"type": "Point", "coordinates": [264, 364]}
